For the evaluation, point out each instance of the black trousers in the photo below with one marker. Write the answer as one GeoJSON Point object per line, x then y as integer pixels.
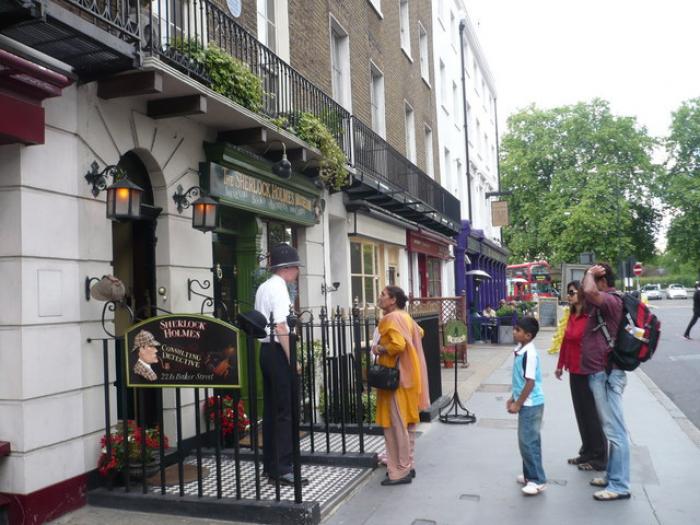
{"type": "Point", "coordinates": [277, 410]}
{"type": "Point", "coordinates": [594, 446]}
{"type": "Point", "coordinates": [691, 324]}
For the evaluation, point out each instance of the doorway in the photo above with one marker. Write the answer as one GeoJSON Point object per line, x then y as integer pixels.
{"type": "Point", "coordinates": [225, 276]}
{"type": "Point", "coordinates": [134, 262]}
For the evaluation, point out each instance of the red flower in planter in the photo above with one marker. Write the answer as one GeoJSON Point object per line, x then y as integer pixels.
{"type": "Point", "coordinates": [229, 416]}
{"type": "Point", "coordinates": [116, 460]}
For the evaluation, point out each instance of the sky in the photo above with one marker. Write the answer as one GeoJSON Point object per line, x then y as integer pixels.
{"type": "Point", "coordinates": [642, 56]}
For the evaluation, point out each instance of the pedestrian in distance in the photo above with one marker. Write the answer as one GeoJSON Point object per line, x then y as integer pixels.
{"type": "Point", "coordinates": [696, 310]}
{"type": "Point", "coordinates": [593, 454]}
{"type": "Point", "coordinates": [272, 299]}
{"type": "Point", "coordinates": [606, 380]}
{"type": "Point", "coordinates": [400, 345]}
{"type": "Point", "coordinates": [527, 401]}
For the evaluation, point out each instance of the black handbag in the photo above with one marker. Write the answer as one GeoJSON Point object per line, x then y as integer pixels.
{"type": "Point", "coordinates": [383, 377]}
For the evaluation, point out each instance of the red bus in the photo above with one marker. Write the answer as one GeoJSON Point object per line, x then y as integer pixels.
{"type": "Point", "coordinates": [527, 281]}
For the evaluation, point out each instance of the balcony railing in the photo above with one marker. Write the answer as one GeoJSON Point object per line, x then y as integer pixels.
{"type": "Point", "coordinates": [174, 26]}
{"type": "Point", "coordinates": [373, 155]}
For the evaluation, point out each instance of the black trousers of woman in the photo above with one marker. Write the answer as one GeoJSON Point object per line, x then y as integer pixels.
{"type": "Point", "coordinates": [594, 446]}
{"type": "Point", "coordinates": [692, 322]}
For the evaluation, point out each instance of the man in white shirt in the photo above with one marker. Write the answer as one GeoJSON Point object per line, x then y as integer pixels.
{"type": "Point", "coordinates": [272, 300]}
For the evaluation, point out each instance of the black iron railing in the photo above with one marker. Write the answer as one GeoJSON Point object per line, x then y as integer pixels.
{"type": "Point", "coordinates": [373, 155]}
{"type": "Point", "coordinates": [120, 17]}
{"type": "Point", "coordinates": [177, 32]}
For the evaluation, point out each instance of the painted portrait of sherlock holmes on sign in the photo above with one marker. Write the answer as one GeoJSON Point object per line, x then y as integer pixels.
{"type": "Point", "coordinates": [182, 351]}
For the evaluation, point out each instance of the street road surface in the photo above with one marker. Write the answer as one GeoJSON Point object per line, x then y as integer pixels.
{"type": "Point", "coordinates": [675, 367]}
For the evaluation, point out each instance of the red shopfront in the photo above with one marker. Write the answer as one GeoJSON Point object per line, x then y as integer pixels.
{"type": "Point", "coordinates": [430, 251]}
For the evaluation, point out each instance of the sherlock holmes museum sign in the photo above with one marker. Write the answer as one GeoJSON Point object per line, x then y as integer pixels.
{"type": "Point", "coordinates": [182, 351]}
{"type": "Point", "coordinates": [262, 195]}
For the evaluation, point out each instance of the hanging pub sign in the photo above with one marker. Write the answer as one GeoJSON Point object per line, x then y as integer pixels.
{"type": "Point", "coordinates": [499, 213]}
{"type": "Point", "coordinates": [182, 351]}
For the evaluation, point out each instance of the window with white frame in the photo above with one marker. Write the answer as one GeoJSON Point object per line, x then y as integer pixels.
{"type": "Point", "coordinates": [377, 102]}
{"type": "Point", "coordinates": [428, 145]}
{"type": "Point", "coordinates": [477, 138]}
{"type": "Point", "coordinates": [267, 24]}
{"type": "Point", "coordinates": [340, 65]}
{"type": "Point", "coordinates": [404, 27]}
{"type": "Point", "coordinates": [443, 86]}
{"type": "Point", "coordinates": [410, 122]}
{"type": "Point", "coordinates": [456, 103]}
{"type": "Point", "coordinates": [424, 53]}
{"type": "Point", "coordinates": [364, 272]}
{"type": "Point", "coordinates": [377, 4]}
{"type": "Point", "coordinates": [447, 165]}
{"type": "Point", "coordinates": [434, 270]}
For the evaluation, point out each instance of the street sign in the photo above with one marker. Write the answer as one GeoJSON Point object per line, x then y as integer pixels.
{"type": "Point", "coordinates": [638, 269]}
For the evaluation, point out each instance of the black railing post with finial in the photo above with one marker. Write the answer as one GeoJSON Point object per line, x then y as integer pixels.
{"type": "Point", "coordinates": [292, 320]}
{"type": "Point", "coordinates": [357, 337]}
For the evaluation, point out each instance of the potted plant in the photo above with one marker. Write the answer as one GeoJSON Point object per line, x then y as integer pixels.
{"type": "Point", "coordinates": [230, 414]}
{"type": "Point", "coordinates": [448, 357]}
{"type": "Point", "coordinates": [131, 447]}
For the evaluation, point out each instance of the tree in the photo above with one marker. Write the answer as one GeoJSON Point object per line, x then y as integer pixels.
{"type": "Point", "coordinates": [582, 180]}
{"type": "Point", "coordinates": [681, 183]}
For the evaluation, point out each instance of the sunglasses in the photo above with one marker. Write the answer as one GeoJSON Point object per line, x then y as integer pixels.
{"type": "Point", "coordinates": [571, 292]}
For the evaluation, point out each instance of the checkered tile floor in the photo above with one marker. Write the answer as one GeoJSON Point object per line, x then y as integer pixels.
{"type": "Point", "coordinates": [352, 443]}
{"type": "Point", "coordinates": [325, 482]}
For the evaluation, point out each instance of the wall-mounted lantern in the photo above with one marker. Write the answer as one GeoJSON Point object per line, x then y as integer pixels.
{"type": "Point", "coordinates": [123, 196]}
{"type": "Point", "coordinates": [203, 209]}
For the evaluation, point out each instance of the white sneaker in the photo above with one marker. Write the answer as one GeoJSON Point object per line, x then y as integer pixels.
{"type": "Point", "coordinates": [521, 479]}
{"type": "Point", "coordinates": [533, 489]}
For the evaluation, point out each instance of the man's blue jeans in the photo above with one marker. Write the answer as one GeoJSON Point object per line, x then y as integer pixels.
{"type": "Point", "coordinates": [607, 392]}
{"type": "Point", "coordinates": [530, 442]}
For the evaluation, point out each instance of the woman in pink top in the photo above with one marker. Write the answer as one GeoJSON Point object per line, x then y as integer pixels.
{"type": "Point", "coordinates": [593, 454]}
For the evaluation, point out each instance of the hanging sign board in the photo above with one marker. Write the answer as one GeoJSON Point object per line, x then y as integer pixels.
{"type": "Point", "coordinates": [499, 213]}
{"type": "Point", "coordinates": [182, 351]}
{"type": "Point", "coordinates": [454, 332]}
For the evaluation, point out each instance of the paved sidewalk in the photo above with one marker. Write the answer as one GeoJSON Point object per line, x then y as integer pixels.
{"type": "Point", "coordinates": [466, 473]}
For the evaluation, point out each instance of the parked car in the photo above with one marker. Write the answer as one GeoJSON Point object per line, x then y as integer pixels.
{"type": "Point", "coordinates": [676, 291]}
{"type": "Point", "coordinates": [652, 291]}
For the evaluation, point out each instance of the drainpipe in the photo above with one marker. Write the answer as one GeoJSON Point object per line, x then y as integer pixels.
{"type": "Point", "coordinates": [462, 28]}
{"type": "Point", "coordinates": [498, 157]}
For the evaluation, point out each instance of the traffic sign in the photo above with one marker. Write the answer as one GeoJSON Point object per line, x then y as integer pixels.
{"type": "Point", "coordinates": [638, 269]}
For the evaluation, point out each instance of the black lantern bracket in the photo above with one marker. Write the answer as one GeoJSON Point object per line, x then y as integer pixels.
{"type": "Point", "coordinates": [99, 179]}
{"type": "Point", "coordinates": [88, 283]}
{"type": "Point", "coordinates": [184, 199]}
{"type": "Point", "coordinates": [205, 285]}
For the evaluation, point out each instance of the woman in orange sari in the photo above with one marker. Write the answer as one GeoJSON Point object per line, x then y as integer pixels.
{"type": "Point", "coordinates": [398, 410]}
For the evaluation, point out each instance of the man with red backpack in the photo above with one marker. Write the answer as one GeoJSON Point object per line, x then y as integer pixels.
{"type": "Point", "coordinates": [606, 380]}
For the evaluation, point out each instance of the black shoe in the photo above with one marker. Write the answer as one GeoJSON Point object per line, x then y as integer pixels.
{"type": "Point", "coordinates": [403, 481]}
{"type": "Point", "coordinates": [287, 479]}
{"type": "Point", "coordinates": [413, 473]}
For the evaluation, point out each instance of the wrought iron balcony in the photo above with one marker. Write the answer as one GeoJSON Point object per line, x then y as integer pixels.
{"type": "Point", "coordinates": [388, 179]}
{"type": "Point", "coordinates": [101, 37]}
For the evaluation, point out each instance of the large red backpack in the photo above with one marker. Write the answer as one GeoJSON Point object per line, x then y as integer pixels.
{"type": "Point", "coordinates": [637, 336]}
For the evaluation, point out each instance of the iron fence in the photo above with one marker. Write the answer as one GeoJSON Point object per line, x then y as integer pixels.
{"type": "Point", "coordinates": [334, 413]}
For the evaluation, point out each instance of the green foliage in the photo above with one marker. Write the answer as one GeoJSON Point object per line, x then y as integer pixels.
{"type": "Point", "coordinates": [681, 183]}
{"type": "Point", "coordinates": [687, 279]}
{"type": "Point", "coordinates": [312, 130]}
{"type": "Point", "coordinates": [233, 79]}
{"type": "Point", "coordinates": [582, 180]}
{"type": "Point", "coordinates": [229, 76]}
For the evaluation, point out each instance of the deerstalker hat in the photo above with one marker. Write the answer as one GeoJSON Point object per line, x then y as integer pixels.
{"type": "Point", "coordinates": [109, 288]}
{"type": "Point", "coordinates": [253, 323]}
{"type": "Point", "coordinates": [282, 256]}
{"type": "Point", "coordinates": [145, 338]}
